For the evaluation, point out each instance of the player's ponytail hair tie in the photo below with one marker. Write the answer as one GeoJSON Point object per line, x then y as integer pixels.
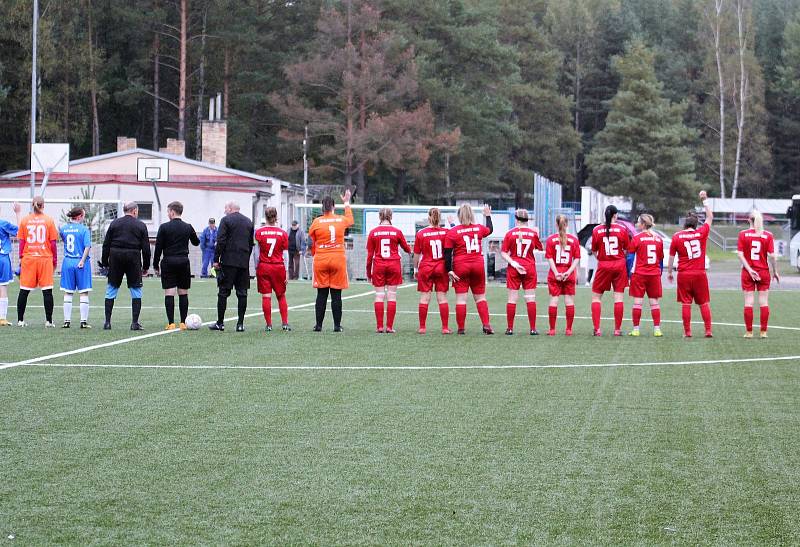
{"type": "Point", "coordinates": [434, 217]}
{"type": "Point", "coordinates": [38, 204]}
{"type": "Point", "coordinates": [75, 212]}
{"type": "Point", "coordinates": [385, 215]}
{"type": "Point", "coordinates": [757, 219]}
{"type": "Point", "coordinates": [610, 213]}
{"type": "Point", "coordinates": [521, 215]}
{"type": "Point", "coordinates": [647, 221]}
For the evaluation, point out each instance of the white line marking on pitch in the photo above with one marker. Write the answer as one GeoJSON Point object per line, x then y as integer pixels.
{"type": "Point", "coordinates": [415, 367]}
{"type": "Point", "coordinates": [162, 333]}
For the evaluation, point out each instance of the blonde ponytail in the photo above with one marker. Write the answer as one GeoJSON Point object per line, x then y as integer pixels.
{"type": "Point", "coordinates": [561, 222]}
{"type": "Point", "coordinates": [758, 221]}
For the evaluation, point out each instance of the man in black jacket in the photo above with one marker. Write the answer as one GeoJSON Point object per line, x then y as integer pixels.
{"type": "Point", "coordinates": [176, 275]}
{"type": "Point", "coordinates": [126, 253]}
{"type": "Point", "coordinates": [232, 262]}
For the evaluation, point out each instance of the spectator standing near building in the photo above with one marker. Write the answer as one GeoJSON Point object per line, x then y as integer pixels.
{"type": "Point", "coordinates": [208, 240]}
{"type": "Point", "coordinates": [297, 247]}
{"type": "Point", "coordinates": [232, 262]}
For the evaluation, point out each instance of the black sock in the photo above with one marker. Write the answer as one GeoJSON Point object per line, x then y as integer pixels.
{"type": "Point", "coordinates": [321, 305]}
{"type": "Point", "coordinates": [169, 305]}
{"type": "Point", "coordinates": [136, 309]}
{"type": "Point", "coordinates": [336, 306]}
{"type": "Point", "coordinates": [242, 307]}
{"type": "Point", "coordinates": [183, 305]}
{"type": "Point", "coordinates": [222, 303]}
{"type": "Point", "coordinates": [109, 309]}
{"type": "Point", "coordinates": [47, 296]}
{"type": "Point", "coordinates": [22, 302]}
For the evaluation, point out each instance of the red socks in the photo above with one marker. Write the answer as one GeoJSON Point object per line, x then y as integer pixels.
{"type": "Point", "coordinates": [637, 315]}
{"type": "Point", "coordinates": [444, 313]}
{"type": "Point", "coordinates": [461, 315]}
{"type": "Point", "coordinates": [511, 311]}
{"type": "Point", "coordinates": [284, 309]}
{"type": "Point", "coordinates": [686, 315]}
{"type": "Point", "coordinates": [748, 318]}
{"type": "Point", "coordinates": [423, 315]}
{"type": "Point", "coordinates": [596, 309]}
{"type": "Point", "coordinates": [379, 315]}
{"type": "Point", "coordinates": [764, 317]}
{"type": "Point", "coordinates": [552, 313]}
{"type": "Point", "coordinates": [266, 307]}
{"type": "Point", "coordinates": [391, 311]}
{"type": "Point", "coordinates": [532, 314]}
{"type": "Point", "coordinates": [570, 316]}
{"type": "Point", "coordinates": [619, 312]}
{"type": "Point", "coordinates": [483, 312]}
{"type": "Point", "coordinates": [656, 312]}
{"type": "Point", "coordinates": [705, 312]}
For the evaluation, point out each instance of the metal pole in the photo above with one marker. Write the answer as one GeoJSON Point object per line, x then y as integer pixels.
{"type": "Point", "coordinates": [305, 166]}
{"type": "Point", "coordinates": [33, 89]}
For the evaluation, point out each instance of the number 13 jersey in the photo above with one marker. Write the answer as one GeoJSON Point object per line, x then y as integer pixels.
{"type": "Point", "coordinates": [690, 246]}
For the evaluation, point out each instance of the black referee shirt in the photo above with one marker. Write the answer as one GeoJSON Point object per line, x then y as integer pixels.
{"type": "Point", "coordinates": [173, 240]}
{"type": "Point", "coordinates": [127, 234]}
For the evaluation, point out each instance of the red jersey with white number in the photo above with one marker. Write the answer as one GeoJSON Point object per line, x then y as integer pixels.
{"type": "Point", "coordinates": [384, 242]}
{"type": "Point", "coordinates": [649, 251]}
{"type": "Point", "coordinates": [429, 244]}
{"type": "Point", "coordinates": [562, 255]}
{"type": "Point", "coordinates": [466, 242]}
{"type": "Point", "coordinates": [690, 246]}
{"type": "Point", "coordinates": [272, 241]}
{"type": "Point", "coordinates": [756, 247]}
{"type": "Point", "coordinates": [610, 245]}
{"type": "Point", "coordinates": [520, 243]}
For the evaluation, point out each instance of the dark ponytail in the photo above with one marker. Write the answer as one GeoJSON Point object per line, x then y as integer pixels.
{"type": "Point", "coordinates": [611, 210]}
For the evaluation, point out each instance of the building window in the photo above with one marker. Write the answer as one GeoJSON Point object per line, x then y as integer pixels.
{"type": "Point", "coordinates": [145, 212]}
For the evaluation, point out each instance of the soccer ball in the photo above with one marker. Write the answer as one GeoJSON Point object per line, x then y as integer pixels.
{"type": "Point", "coordinates": [193, 321]}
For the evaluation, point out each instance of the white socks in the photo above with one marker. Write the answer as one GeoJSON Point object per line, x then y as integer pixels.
{"type": "Point", "coordinates": [3, 308]}
{"type": "Point", "coordinates": [67, 306]}
{"type": "Point", "coordinates": [84, 307]}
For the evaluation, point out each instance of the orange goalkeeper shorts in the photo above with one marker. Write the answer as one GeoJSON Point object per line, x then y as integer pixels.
{"type": "Point", "coordinates": [36, 273]}
{"type": "Point", "coordinates": [330, 271]}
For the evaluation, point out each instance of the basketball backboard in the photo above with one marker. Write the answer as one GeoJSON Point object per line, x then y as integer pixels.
{"type": "Point", "coordinates": [152, 170]}
{"type": "Point", "coordinates": [50, 158]}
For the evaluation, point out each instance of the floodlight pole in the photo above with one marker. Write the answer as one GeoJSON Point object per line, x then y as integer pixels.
{"type": "Point", "coordinates": [33, 87]}
{"type": "Point", "coordinates": [305, 166]}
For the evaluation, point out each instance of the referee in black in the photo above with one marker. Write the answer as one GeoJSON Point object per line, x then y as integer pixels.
{"type": "Point", "coordinates": [232, 262]}
{"type": "Point", "coordinates": [176, 275]}
{"type": "Point", "coordinates": [126, 253]}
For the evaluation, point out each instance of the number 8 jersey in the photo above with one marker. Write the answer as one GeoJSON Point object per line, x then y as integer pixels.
{"type": "Point", "coordinates": [690, 246]}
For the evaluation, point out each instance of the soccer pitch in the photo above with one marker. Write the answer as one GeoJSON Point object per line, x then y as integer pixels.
{"type": "Point", "coordinates": [301, 437]}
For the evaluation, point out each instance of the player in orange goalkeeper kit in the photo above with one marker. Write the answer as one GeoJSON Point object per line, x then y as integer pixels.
{"type": "Point", "coordinates": [330, 265]}
{"type": "Point", "coordinates": [37, 249]}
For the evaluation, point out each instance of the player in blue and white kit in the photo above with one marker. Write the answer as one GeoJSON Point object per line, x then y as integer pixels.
{"type": "Point", "coordinates": [7, 231]}
{"type": "Point", "coordinates": [76, 269]}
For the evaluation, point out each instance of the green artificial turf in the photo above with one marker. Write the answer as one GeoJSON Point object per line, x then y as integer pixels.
{"type": "Point", "coordinates": [681, 453]}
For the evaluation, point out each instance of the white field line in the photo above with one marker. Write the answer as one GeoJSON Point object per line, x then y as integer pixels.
{"type": "Point", "coordinates": [418, 368]}
{"type": "Point", "coordinates": [161, 333]}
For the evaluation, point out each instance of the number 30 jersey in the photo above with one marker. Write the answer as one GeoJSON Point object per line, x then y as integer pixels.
{"type": "Point", "coordinates": [272, 241]}
{"type": "Point", "coordinates": [690, 246]}
{"type": "Point", "coordinates": [610, 245]}
{"type": "Point", "coordinates": [520, 242]}
{"type": "Point", "coordinates": [466, 242]}
{"type": "Point", "coordinates": [563, 256]}
{"type": "Point", "coordinates": [76, 238]}
{"type": "Point", "coordinates": [649, 251]}
{"type": "Point", "coordinates": [38, 231]}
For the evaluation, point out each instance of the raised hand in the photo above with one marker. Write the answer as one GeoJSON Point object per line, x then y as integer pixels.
{"type": "Point", "coordinates": [346, 197]}
{"type": "Point", "coordinates": [703, 195]}
{"type": "Point", "coordinates": [16, 207]}
{"type": "Point", "coordinates": [487, 210]}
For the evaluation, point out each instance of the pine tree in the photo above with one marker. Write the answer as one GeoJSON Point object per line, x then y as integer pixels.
{"type": "Point", "coordinates": [642, 152]}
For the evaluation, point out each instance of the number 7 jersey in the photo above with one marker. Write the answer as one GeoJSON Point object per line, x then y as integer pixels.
{"type": "Point", "coordinates": [272, 241]}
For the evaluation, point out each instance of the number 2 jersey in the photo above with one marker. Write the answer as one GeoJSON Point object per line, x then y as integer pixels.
{"type": "Point", "coordinates": [520, 242]}
{"type": "Point", "coordinates": [649, 250]}
{"type": "Point", "coordinates": [610, 245]}
{"type": "Point", "coordinates": [272, 241]}
{"type": "Point", "coordinates": [76, 238]}
{"type": "Point", "coordinates": [466, 242]}
{"type": "Point", "coordinates": [690, 247]}
{"type": "Point", "coordinates": [564, 255]}
{"type": "Point", "coordinates": [756, 247]}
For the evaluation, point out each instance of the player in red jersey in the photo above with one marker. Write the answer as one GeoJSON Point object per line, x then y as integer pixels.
{"type": "Point", "coordinates": [463, 258]}
{"type": "Point", "coordinates": [646, 278]}
{"type": "Point", "coordinates": [384, 268]}
{"type": "Point", "coordinates": [609, 245]}
{"type": "Point", "coordinates": [563, 252]}
{"type": "Point", "coordinates": [689, 245]}
{"type": "Point", "coordinates": [271, 271]}
{"type": "Point", "coordinates": [756, 250]}
{"type": "Point", "coordinates": [430, 270]}
{"type": "Point", "coordinates": [517, 249]}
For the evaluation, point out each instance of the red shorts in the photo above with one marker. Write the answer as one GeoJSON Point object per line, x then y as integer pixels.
{"type": "Point", "coordinates": [693, 286]}
{"type": "Point", "coordinates": [515, 280]}
{"type": "Point", "coordinates": [748, 285]}
{"type": "Point", "coordinates": [271, 277]}
{"type": "Point", "coordinates": [472, 277]}
{"type": "Point", "coordinates": [387, 273]}
{"type": "Point", "coordinates": [610, 274]}
{"type": "Point", "coordinates": [431, 278]}
{"type": "Point", "coordinates": [642, 285]}
{"type": "Point", "coordinates": [566, 287]}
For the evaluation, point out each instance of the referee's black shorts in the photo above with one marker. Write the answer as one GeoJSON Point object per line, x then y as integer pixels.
{"type": "Point", "coordinates": [125, 263]}
{"type": "Point", "coordinates": [230, 277]}
{"type": "Point", "coordinates": [176, 272]}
